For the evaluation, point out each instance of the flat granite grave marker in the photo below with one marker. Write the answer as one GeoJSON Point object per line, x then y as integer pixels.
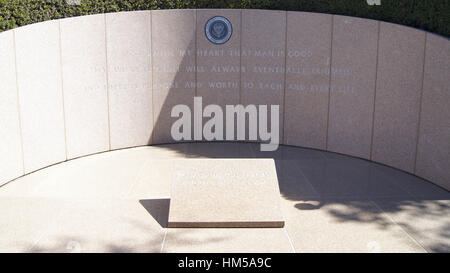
{"type": "Point", "coordinates": [225, 193]}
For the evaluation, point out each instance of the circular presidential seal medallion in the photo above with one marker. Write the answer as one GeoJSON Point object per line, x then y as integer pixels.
{"type": "Point", "coordinates": [218, 30]}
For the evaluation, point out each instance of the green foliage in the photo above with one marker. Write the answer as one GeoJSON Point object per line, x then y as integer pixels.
{"type": "Point", "coordinates": [431, 15]}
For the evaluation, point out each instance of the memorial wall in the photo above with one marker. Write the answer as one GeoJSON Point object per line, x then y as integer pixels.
{"type": "Point", "coordinates": [83, 85]}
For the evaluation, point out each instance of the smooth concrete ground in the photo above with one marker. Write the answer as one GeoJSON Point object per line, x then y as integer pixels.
{"type": "Point", "coordinates": [119, 201]}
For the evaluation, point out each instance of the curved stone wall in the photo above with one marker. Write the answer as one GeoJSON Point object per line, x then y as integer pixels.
{"type": "Point", "coordinates": [365, 88]}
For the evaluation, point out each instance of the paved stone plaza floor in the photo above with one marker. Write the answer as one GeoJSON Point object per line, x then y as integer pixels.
{"type": "Point", "coordinates": [118, 202]}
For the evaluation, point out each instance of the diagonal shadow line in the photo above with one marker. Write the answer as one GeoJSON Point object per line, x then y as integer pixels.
{"type": "Point", "coordinates": [158, 209]}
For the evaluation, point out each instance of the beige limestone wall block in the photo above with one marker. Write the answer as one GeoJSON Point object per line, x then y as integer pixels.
{"type": "Point", "coordinates": [11, 161]}
{"type": "Point", "coordinates": [130, 78]}
{"type": "Point", "coordinates": [40, 94]}
{"type": "Point", "coordinates": [433, 153]}
{"type": "Point", "coordinates": [263, 48]}
{"type": "Point", "coordinates": [353, 71]}
{"type": "Point", "coordinates": [218, 76]}
{"type": "Point", "coordinates": [307, 79]}
{"type": "Point", "coordinates": [83, 51]}
{"type": "Point", "coordinates": [173, 58]}
{"type": "Point", "coordinates": [399, 86]}
{"type": "Point", "coordinates": [219, 65]}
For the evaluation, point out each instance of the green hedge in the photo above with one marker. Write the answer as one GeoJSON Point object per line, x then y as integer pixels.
{"type": "Point", "coordinates": [431, 15]}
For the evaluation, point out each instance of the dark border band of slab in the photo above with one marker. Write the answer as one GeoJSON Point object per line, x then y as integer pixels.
{"type": "Point", "coordinates": [262, 224]}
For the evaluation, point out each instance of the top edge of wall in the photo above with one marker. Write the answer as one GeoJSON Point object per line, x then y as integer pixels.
{"type": "Point", "coordinates": [287, 11]}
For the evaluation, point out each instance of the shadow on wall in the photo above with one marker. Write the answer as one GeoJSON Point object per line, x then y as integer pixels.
{"type": "Point", "coordinates": [98, 72]}
{"type": "Point", "coordinates": [173, 78]}
{"type": "Point", "coordinates": [357, 106]}
{"type": "Point", "coordinates": [177, 80]}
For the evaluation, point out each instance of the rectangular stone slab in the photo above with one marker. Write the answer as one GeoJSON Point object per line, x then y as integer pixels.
{"type": "Point", "coordinates": [225, 193]}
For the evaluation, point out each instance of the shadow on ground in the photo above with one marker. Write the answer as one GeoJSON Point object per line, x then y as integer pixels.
{"type": "Point", "coordinates": [321, 192]}
{"type": "Point", "coordinates": [348, 189]}
{"type": "Point", "coordinates": [158, 209]}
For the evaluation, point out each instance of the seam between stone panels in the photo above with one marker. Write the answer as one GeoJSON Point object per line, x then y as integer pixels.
{"type": "Point", "coordinates": [163, 241]}
{"type": "Point", "coordinates": [329, 82]}
{"type": "Point", "coordinates": [420, 103]}
{"type": "Point", "coordinates": [195, 52]}
{"type": "Point", "coordinates": [240, 61]}
{"type": "Point", "coordinates": [375, 92]}
{"type": "Point", "coordinates": [62, 86]}
{"type": "Point", "coordinates": [285, 72]}
{"type": "Point", "coordinates": [152, 137]}
{"type": "Point", "coordinates": [18, 101]}
{"type": "Point", "coordinates": [289, 240]}
{"type": "Point", "coordinates": [107, 84]}
{"type": "Point", "coordinates": [398, 225]}
{"type": "Point", "coordinates": [195, 62]}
